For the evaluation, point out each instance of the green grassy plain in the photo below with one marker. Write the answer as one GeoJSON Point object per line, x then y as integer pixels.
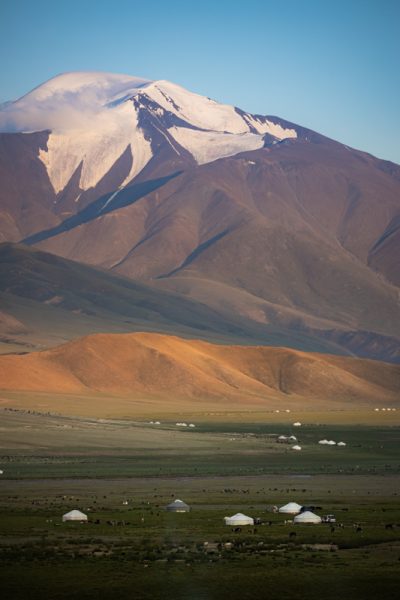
{"type": "Point", "coordinates": [54, 463]}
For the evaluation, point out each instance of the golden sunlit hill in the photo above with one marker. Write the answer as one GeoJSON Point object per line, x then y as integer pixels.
{"type": "Point", "coordinates": [168, 370]}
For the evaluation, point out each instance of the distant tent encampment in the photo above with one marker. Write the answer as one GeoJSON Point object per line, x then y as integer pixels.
{"type": "Point", "coordinates": [178, 506]}
{"type": "Point", "coordinates": [292, 508]}
{"type": "Point", "coordinates": [75, 515]}
{"type": "Point", "coordinates": [307, 517]}
{"type": "Point", "coordinates": [239, 519]}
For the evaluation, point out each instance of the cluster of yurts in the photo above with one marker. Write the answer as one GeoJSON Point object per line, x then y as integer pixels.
{"type": "Point", "coordinates": [292, 508]}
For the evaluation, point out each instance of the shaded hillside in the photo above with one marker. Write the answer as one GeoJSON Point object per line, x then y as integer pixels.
{"type": "Point", "coordinates": [47, 299]}
{"type": "Point", "coordinates": [144, 365]}
{"type": "Point", "coordinates": [26, 194]}
{"type": "Point", "coordinates": [56, 283]}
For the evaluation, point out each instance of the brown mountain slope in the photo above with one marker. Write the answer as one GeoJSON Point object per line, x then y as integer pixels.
{"type": "Point", "coordinates": [168, 368]}
{"type": "Point", "coordinates": [291, 225]}
{"type": "Point", "coordinates": [26, 194]}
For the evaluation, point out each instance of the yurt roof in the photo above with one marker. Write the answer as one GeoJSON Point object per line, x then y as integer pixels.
{"type": "Point", "coordinates": [307, 516]}
{"type": "Point", "coordinates": [290, 507]}
{"type": "Point", "coordinates": [179, 503]}
{"type": "Point", "coordinates": [240, 519]}
{"type": "Point", "coordinates": [75, 513]}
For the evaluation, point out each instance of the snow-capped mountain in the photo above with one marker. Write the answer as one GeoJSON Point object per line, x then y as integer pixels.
{"type": "Point", "coordinates": [260, 219]}
{"type": "Point", "coordinates": [94, 118]}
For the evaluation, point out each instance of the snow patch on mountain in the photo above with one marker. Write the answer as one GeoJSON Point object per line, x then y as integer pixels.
{"type": "Point", "coordinates": [265, 126]}
{"type": "Point", "coordinates": [206, 146]}
{"type": "Point", "coordinates": [98, 146]}
{"type": "Point", "coordinates": [200, 111]}
{"type": "Point", "coordinates": [204, 113]}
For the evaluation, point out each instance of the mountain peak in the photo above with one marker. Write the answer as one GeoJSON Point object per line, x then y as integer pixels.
{"type": "Point", "coordinates": [67, 100]}
{"type": "Point", "coordinates": [78, 82]}
{"type": "Point", "coordinates": [95, 118]}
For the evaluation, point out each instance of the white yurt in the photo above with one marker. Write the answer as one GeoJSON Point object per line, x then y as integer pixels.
{"type": "Point", "coordinates": [178, 506]}
{"type": "Point", "coordinates": [297, 424]}
{"type": "Point", "coordinates": [239, 519]}
{"type": "Point", "coordinates": [292, 438]}
{"type": "Point", "coordinates": [331, 443]}
{"type": "Point", "coordinates": [292, 508]}
{"type": "Point", "coordinates": [342, 444]}
{"type": "Point", "coordinates": [74, 515]}
{"type": "Point", "coordinates": [307, 517]}
{"type": "Point", "coordinates": [296, 447]}
{"type": "Point", "coordinates": [323, 442]}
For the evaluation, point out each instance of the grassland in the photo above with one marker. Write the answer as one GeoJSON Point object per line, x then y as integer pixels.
{"type": "Point", "coordinates": [34, 445]}
{"type": "Point", "coordinates": [54, 463]}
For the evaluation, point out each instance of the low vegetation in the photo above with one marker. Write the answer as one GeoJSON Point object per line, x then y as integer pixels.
{"type": "Point", "coordinates": [122, 474]}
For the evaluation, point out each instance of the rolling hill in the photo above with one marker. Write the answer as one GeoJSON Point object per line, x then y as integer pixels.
{"type": "Point", "coordinates": [164, 369]}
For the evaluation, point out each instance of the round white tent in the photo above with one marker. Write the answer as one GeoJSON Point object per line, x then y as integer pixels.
{"type": "Point", "coordinates": [75, 515]}
{"type": "Point", "coordinates": [292, 508]}
{"type": "Point", "coordinates": [239, 519]}
{"type": "Point", "coordinates": [307, 517]}
{"type": "Point", "coordinates": [178, 506]}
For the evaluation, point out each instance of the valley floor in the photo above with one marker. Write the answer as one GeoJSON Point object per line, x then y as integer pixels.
{"type": "Point", "coordinates": [122, 474]}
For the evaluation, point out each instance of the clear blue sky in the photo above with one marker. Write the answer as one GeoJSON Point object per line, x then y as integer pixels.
{"type": "Point", "coordinates": [331, 65]}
